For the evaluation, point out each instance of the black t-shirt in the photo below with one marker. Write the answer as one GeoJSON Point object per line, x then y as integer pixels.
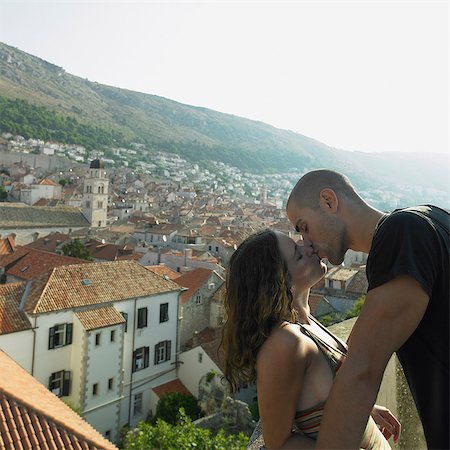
{"type": "Point", "coordinates": [415, 242]}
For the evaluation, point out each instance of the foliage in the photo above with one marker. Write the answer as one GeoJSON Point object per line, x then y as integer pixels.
{"type": "Point", "coordinates": [254, 409]}
{"type": "Point", "coordinates": [356, 308]}
{"type": "Point", "coordinates": [183, 435]}
{"type": "Point", "coordinates": [170, 403]}
{"type": "Point", "coordinates": [30, 121]}
{"type": "Point", "coordinates": [3, 194]}
{"type": "Point", "coordinates": [63, 182]}
{"type": "Point", "coordinates": [76, 249]}
{"type": "Point", "coordinates": [330, 319]}
{"type": "Point", "coordinates": [72, 406]}
{"type": "Point", "coordinates": [211, 374]}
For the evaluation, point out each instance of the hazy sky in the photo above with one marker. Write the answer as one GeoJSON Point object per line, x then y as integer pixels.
{"type": "Point", "coordinates": [369, 76]}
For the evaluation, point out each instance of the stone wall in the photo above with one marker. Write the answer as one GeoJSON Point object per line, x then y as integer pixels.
{"type": "Point", "coordinates": [393, 394]}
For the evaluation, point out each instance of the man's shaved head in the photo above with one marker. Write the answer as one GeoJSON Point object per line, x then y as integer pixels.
{"type": "Point", "coordinates": [307, 190]}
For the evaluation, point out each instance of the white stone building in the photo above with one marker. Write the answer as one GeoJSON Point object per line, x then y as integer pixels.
{"type": "Point", "coordinates": [100, 336]}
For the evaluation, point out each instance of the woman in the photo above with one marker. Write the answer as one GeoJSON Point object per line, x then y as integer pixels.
{"type": "Point", "coordinates": [270, 338]}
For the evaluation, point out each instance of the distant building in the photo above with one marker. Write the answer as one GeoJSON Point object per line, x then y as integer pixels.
{"type": "Point", "coordinates": [95, 194]}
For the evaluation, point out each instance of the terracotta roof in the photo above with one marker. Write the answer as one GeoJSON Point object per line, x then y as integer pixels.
{"type": "Point", "coordinates": [47, 182]}
{"type": "Point", "coordinates": [99, 318]}
{"type": "Point", "coordinates": [12, 319]}
{"type": "Point", "coordinates": [19, 215]}
{"type": "Point", "coordinates": [170, 387]}
{"type": "Point", "coordinates": [31, 417]}
{"type": "Point", "coordinates": [111, 252]}
{"type": "Point", "coordinates": [7, 245]}
{"type": "Point", "coordinates": [49, 243]}
{"type": "Point", "coordinates": [193, 280]}
{"type": "Point", "coordinates": [27, 263]}
{"type": "Point", "coordinates": [72, 286]}
{"type": "Point", "coordinates": [163, 271]}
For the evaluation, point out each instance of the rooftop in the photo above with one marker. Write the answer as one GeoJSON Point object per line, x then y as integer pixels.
{"type": "Point", "coordinates": [31, 417]}
{"type": "Point", "coordinates": [80, 285]}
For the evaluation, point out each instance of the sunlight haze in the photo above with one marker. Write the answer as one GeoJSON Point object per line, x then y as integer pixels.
{"type": "Point", "coordinates": [356, 76]}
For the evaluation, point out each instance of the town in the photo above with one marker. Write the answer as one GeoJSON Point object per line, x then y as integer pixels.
{"type": "Point", "coordinates": [112, 276]}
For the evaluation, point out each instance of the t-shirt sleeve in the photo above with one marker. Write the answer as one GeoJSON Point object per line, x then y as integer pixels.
{"type": "Point", "coordinates": [405, 244]}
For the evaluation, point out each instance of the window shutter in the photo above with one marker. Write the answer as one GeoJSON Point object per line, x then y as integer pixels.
{"type": "Point", "coordinates": [146, 356]}
{"type": "Point", "coordinates": [51, 338]}
{"type": "Point", "coordinates": [156, 353]}
{"type": "Point", "coordinates": [66, 383]}
{"type": "Point", "coordinates": [168, 345]}
{"type": "Point", "coordinates": [134, 362]}
{"type": "Point", "coordinates": [125, 316]}
{"type": "Point", "coordinates": [50, 379]}
{"type": "Point", "coordinates": [161, 313]}
{"type": "Point", "coordinates": [142, 317]}
{"type": "Point", "coordinates": [69, 330]}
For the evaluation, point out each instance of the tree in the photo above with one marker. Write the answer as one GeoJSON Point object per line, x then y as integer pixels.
{"type": "Point", "coordinates": [3, 194]}
{"type": "Point", "coordinates": [63, 182]}
{"type": "Point", "coordinates": [169, 405]}
{"type": "Point", "coordinates": [76, 249]}
{"type": "Point", "coordinates": [356, 308]}
{"type": "Point", "coordinates": [183, 435]}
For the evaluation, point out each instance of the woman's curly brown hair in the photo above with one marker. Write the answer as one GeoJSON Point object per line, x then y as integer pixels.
{"type": "Point", "coordinates": [257, 298]}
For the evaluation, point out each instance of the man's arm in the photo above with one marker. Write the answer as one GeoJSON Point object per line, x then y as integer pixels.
{"type": "Point", "coordinates": [389, 316]}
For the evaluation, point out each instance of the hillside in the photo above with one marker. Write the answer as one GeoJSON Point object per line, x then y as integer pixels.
{"type": "Point", "coordinates": [66, 107]}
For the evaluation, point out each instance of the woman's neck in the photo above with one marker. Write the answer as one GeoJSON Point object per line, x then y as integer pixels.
{"type": "Point", "coordinates": [301, 305]}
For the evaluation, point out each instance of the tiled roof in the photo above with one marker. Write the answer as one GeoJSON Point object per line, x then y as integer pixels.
{"type": "Point", "coordinates": [193, 280]}
{"type": "Point", "coordinates": [47, 182]}
{"type": "Point", "coordinates": [215, 352]}
{"type": "Point", "coordinates": [340, 273]}
{"type": "Point", "coordinates": [27, 263]}
{"type": "Point", "coordinates": [7, 245]}
{"type": "Point", "coordinates": [359, 283]}
{"type": "Point", "coordinates": [31, 417]}
{"type": "Point", "coordinates": [93, 319]}
{"type": "Point", "coordinates": [12, 319]}
{"type": "Point", "coordinates": [73, 286]}
{"type": "Point", "coordinates": [111, 252]}
{"type": "Point", "coordinates": [170, 387]}
{"type": "Point", "coordinates": [49, 243]}
{"type": "Point", "coordinates": [19, 215]}
{"type": "Point", "coordinates": [163, 271]}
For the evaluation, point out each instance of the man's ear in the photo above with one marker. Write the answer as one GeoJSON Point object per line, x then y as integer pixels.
{"type": "Point", "coordinates": [328, 200]}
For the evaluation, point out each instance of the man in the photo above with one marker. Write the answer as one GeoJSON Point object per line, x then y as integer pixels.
{"type": "Point", "coordinates": [406, 308]}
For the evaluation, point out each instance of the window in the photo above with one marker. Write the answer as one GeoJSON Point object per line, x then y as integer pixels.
{"type": "Point", "coordinates": [60, 335]}
{"type": "Point", "coordinates": [113, 336]}
{"type": "Point", "coordinates": [99, 223]}
{"type": "Point", "coordinates": [110, 384]}
{"type": "Point", "coordinates": [108, 434]}
{"type": "Point", "coordinates": [95, 389]}
{"type": "Point", "coordinates": [162, 351]}
{"type": "Point", "coordinates": [200, 357]}
{"type": "Point", "coordinates": [125, 316]}
{"type": "Point", "coordinates": [198, 299]}
{"type": "Point", "coordinates": [137, 409]}
{"type": "Point", "coordinates": [99, 205]}
{"type": "Point", "coordinates": [163, 312]}
{"type": "Point", "coordinates": [140, 358]}
{"type": "Point", "coordinates": [88, 204]}
{"type": "Point", "coordinates": [97, 339]}
{"type": "Point", "coordinates": [59, 383]}
{"type": "Point", "coordinates": [217, 249]}
{"type": "Point", "coordinates": [209, 247]}
{"type": "Point", "coordinates": [142, 318]}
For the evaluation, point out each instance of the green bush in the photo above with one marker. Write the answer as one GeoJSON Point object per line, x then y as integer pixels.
{"type": "Point", "coordinates": [356, 308]}
{"type": "Point", "coordinates": [183, 435]}
{"type": "Point", "coordinates": [169, 405]}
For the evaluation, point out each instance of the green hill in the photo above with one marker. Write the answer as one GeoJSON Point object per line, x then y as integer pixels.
{"type": "Point", "coordinates": [41, 100]}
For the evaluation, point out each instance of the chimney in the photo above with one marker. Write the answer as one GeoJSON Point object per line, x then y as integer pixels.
{"type": "Point", "coordinates": [195, 339]}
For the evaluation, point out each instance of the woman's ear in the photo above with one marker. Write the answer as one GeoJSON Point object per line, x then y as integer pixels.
{"type": "Point", "coordinates": [328, 200]}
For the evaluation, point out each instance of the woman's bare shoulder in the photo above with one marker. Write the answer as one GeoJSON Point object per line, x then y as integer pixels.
{"type": "Point", "coordinates": [286, 342]}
